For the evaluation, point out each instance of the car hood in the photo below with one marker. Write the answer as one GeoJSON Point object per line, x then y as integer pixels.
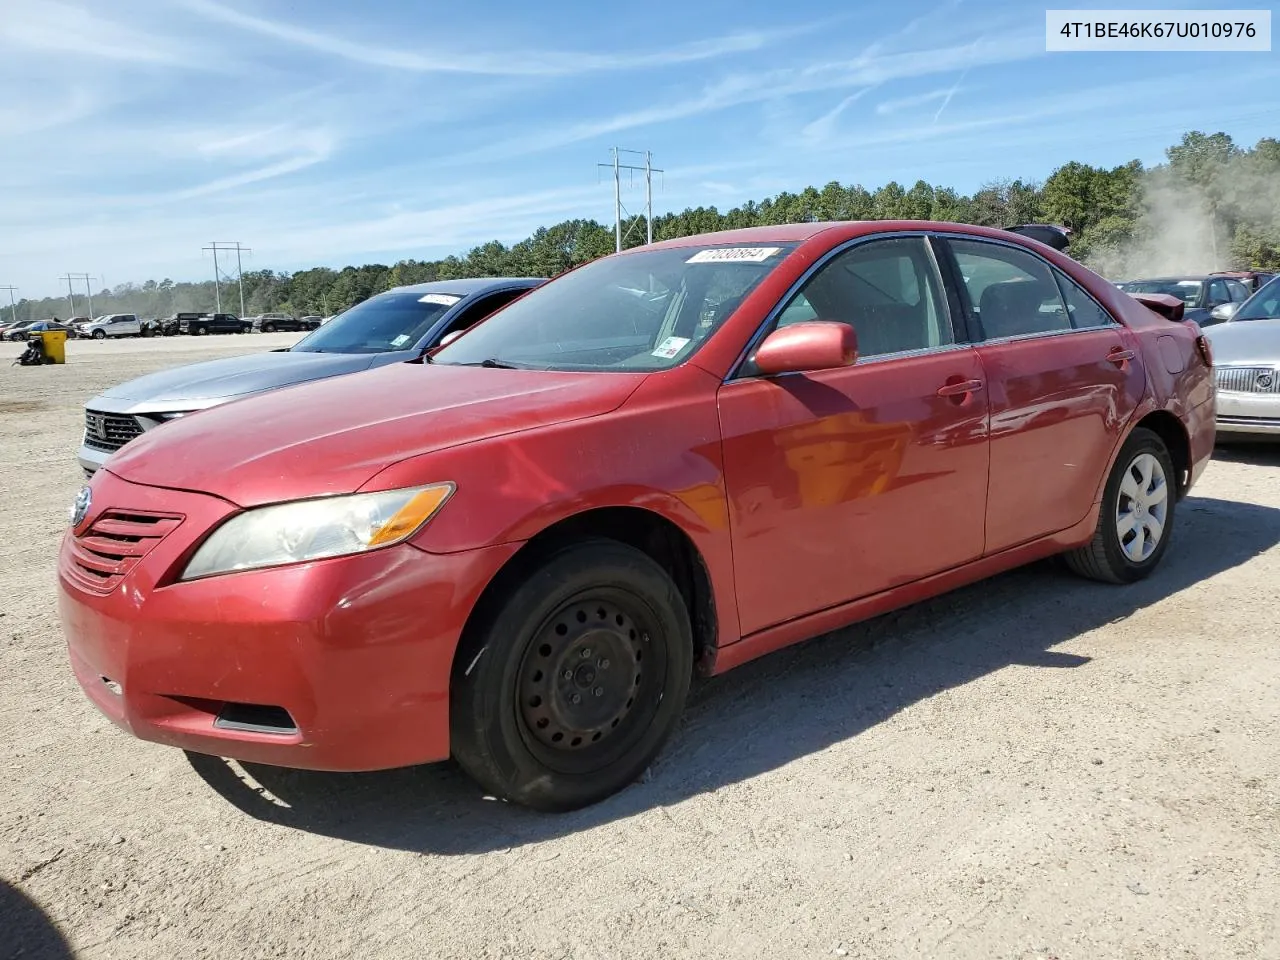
{"type": "Point", "coordinates": [331, 437]}
{"type": "Point", "coordinates": [193, 386]}
{"type": "Point", "coordinates": [1245, 342]}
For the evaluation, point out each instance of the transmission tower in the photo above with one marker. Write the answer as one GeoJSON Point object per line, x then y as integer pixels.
{"type": "Point", "coordinates": [215, 246]}
{"type": "Point", "coordinates": [648, 170]}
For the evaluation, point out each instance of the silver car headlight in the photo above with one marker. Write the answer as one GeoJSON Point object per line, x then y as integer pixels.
{"type": "Point", "coordinates": [314, 529]}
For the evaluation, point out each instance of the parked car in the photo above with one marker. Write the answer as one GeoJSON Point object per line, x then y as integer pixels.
{"type": "Point", "coordinates": [1246, 355]}
{"type": "Point", "coordinates": [44, 325]}
{"type": "Point", "coordinates": [518, 550]}
{"type": "Point", "coordinates": [390, 328]}
{"type": "Point", "coordinates": [313, 322]}
{"type": "Point", "coordinates": [271, 322]}
{"type": "Point", "coordinates": [213, 323]}
{"type": "Point", "coordinates": [18, 331]}
{"type": "Point", "coordinates": [159, 327]}
{"type": "Point", "coordinates": [112, 325]}
{"type": "Point", "coordinates": [1199, 294]}
{"type": "Point", "coordinates": [1254, 280]}
{"type": "Point", "coordinates": [77, 325]}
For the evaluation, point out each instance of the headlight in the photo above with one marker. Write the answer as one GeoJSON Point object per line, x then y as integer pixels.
{"type": "Point", "coordinates": [312, 529]}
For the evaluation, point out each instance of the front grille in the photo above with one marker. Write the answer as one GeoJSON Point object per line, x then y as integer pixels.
{"type": "Point", "coordinates": [109, 431]}
{"type": "Point", "coordinates": [105, 553]}
{"type": "Point", "coordinates": [1248, 379]}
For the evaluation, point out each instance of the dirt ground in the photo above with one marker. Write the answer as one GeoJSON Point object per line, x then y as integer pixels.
{"type": "Point", "coordinates": [1033, 767]}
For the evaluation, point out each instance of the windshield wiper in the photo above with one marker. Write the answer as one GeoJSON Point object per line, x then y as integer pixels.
{"type": "Point", "coordinates": [493, 362]}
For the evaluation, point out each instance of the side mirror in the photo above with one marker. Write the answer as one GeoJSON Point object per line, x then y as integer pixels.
{"type": "Point", "coordinates": [813, 345]}
{"type": "Point", "coordinates": [1224, 312]}
{"type": "Point", "coordinates": [448, 338]}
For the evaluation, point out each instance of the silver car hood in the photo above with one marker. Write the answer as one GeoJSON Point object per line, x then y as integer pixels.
{"type": "Point", "coordinates": [211, 382]}
{"type": "Point", "coordinates": [1249, 342]}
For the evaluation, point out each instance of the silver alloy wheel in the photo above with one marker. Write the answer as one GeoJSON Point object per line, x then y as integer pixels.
{"type": "Point", "coordinates": [1142, 507]}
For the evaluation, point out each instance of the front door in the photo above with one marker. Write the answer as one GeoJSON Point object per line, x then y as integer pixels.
{"type": "Point", "coordinates": [843, 483]}
{"type": "Point", "coordinates": [1064, 381]}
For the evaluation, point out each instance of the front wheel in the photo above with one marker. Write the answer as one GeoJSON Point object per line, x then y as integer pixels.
{"type": "Point", "coordinates": [572, 681]}
{"type": "Point", "coordinates": [99, 334]}
{"type": "Point", "coordinates": [198, 331]}
{"type": "Point", "coordinates": [1136, 518]}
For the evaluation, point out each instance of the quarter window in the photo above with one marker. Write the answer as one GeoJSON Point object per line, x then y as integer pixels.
{"type": "Point", "coordinates": [887, 290]}
{"type": "Point", "coordinates": [1082, 308]}
{"type": "Point", "coordinates": [1011, 293]}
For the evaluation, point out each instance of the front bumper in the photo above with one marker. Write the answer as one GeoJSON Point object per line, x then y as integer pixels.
{"type": "Point", "coordinates": [356, 651]}
{"type": "Point", "coordinates": [1243, 414]}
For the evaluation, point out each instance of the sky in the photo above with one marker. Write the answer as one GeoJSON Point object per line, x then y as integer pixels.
{"type": "Point", "coordinates": [327, 132]}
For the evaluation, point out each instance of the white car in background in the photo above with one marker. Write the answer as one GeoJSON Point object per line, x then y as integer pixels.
{"type": "Point", "coordinates": [1246, 367]}
{"type": "Point", "coordinates": [112, 325]}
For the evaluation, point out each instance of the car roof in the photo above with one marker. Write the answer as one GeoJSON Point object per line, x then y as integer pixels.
{"type": "Point", "coordinates": [468, 286]}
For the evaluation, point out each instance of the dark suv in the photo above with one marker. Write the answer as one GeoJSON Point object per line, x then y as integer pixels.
{"type": "Point", "coordinates": [271, 322]}
{"type": "Point", "coordinates": [213, 323]}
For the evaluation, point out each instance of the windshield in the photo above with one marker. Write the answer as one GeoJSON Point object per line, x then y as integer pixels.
{"type": "Point", "coordinates": [1263, 305]}
{"type": "Point", "coordinates": [389, 321]}
{"type": "Point", "coordinates": [646, 310]}
{"type": "Point", "coordinates": [1188, 291]}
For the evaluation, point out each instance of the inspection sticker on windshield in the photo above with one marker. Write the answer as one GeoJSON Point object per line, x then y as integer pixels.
{"type": "Point", "coordinates": [669, 347]}
{"type": "Point", "coordinates": [734, 254]}
{"type": "Point", "coordinates": [401, 340]}
{"type": "Point", "coordinates": [444, 299]}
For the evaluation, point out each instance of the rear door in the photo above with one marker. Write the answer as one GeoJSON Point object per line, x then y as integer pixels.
{"type": "Point", "coordinates": [843, 483]}
{"type": "Point", "coordinates": [1064, 380]}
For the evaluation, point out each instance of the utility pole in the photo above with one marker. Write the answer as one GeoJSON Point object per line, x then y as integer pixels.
{"type": "Point", "coordinates": [215, 246]}
{"type": "Point", "coordinates": [649, 170]}
{"type": "Point", "coordinates": [13, 307]}
{"type": "Point", "coordinates": [87, 290]}
{"type": "Point", "coordinates": [71, 297]}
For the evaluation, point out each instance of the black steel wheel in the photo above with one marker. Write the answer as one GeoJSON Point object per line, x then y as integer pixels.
{"type": "Point", "coordinates": [572, 680]}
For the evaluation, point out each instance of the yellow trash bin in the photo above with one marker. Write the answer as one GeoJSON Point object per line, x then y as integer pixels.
{"type": "Point", "coordinates": [55, 345]}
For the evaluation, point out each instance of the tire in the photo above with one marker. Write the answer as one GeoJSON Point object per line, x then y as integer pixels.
{"type": "Point", "coordinates": [613, 619]}
{"type": "Point", "coordinates": [99, 334]}
{"type": "Point", "coordinates": [1116, 557]}
{"type": "Point", "coordinates": [199, 331]}
{"type": "Point", "coordinates": [268, 328]}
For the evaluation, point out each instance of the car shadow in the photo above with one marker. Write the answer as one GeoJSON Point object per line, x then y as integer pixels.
{"type": "Point", "coordinates": [1264, 453]}
{"type": "Point", "coordinates": [26, 931]}
{"type": "Point", "coordinates": [830, 689]}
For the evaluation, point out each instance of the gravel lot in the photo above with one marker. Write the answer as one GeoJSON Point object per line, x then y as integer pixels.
{"type": "Point", "coordinates": [1032, 767]}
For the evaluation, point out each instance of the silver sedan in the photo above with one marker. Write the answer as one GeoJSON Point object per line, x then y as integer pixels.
{"type": "Point", "coordinates": [1246, 360]}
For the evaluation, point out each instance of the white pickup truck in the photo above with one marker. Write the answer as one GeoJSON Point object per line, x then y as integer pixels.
{"type": "Point", "coordinates": [112, 325]}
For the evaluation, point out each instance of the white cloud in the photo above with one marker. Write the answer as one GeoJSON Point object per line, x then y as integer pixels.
{"type": "Point", "coordinates": [52, 28]}
{"type": "Point", "coordinates": [822, 128]}
{"type": "Point", "coordinates": [888, 107]}
{"type": "Point", "coordinates": [518, 63]}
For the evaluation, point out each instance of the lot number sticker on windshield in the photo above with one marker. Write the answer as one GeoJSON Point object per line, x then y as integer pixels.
{"type": "Point", "coordinates": [669, 347]}
{"type": "Point", "coordinates": [734, 255]}
{"type": "Point", "coordinates": [444, 299]}
{"type": "Point", "coordinates": [401, 340]}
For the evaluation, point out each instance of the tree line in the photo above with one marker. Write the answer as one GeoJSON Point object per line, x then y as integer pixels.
{"type": "Point", "coordinates": [1211, 205]}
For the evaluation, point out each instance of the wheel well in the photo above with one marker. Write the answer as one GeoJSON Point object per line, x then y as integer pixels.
{"type": "Point", "coordinates": [1170, 429]}
{"type": "Point", "coordinates": [664, 542]}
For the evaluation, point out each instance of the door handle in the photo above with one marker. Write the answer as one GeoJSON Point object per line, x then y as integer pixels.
{"type": "Point", "coordinates": [1120, 355]}
{"type": "Point", "coordinates": [956, 389]}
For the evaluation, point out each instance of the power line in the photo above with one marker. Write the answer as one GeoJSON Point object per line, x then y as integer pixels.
{"type": "Point", "coordinates": [215, 246]}
{"type": "Point", "coordinates": [13, 307]}
{"type": "Point", "coordinates": [648, 170]}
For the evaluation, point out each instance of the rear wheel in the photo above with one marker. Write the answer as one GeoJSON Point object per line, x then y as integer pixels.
{"type": "Point", "coordinates": [1136, 518]}
{"type": "Point", "coordinates": [570, 684]}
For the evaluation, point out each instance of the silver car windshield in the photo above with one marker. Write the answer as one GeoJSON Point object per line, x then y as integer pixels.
{"type": "Point", "coordinates": [1263, 305]}
{"type": "Point", "coordinates": [643, 310]}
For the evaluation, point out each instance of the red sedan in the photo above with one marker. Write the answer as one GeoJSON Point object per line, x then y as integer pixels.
{"type": "Point", "coordinates": [676, 458]}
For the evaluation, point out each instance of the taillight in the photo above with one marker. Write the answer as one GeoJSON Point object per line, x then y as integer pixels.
{"type": "Point", "coordinates": [1206, 352]}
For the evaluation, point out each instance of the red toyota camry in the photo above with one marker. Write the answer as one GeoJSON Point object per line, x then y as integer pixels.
{"type": "Point", "coordinates": [676, 458]}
